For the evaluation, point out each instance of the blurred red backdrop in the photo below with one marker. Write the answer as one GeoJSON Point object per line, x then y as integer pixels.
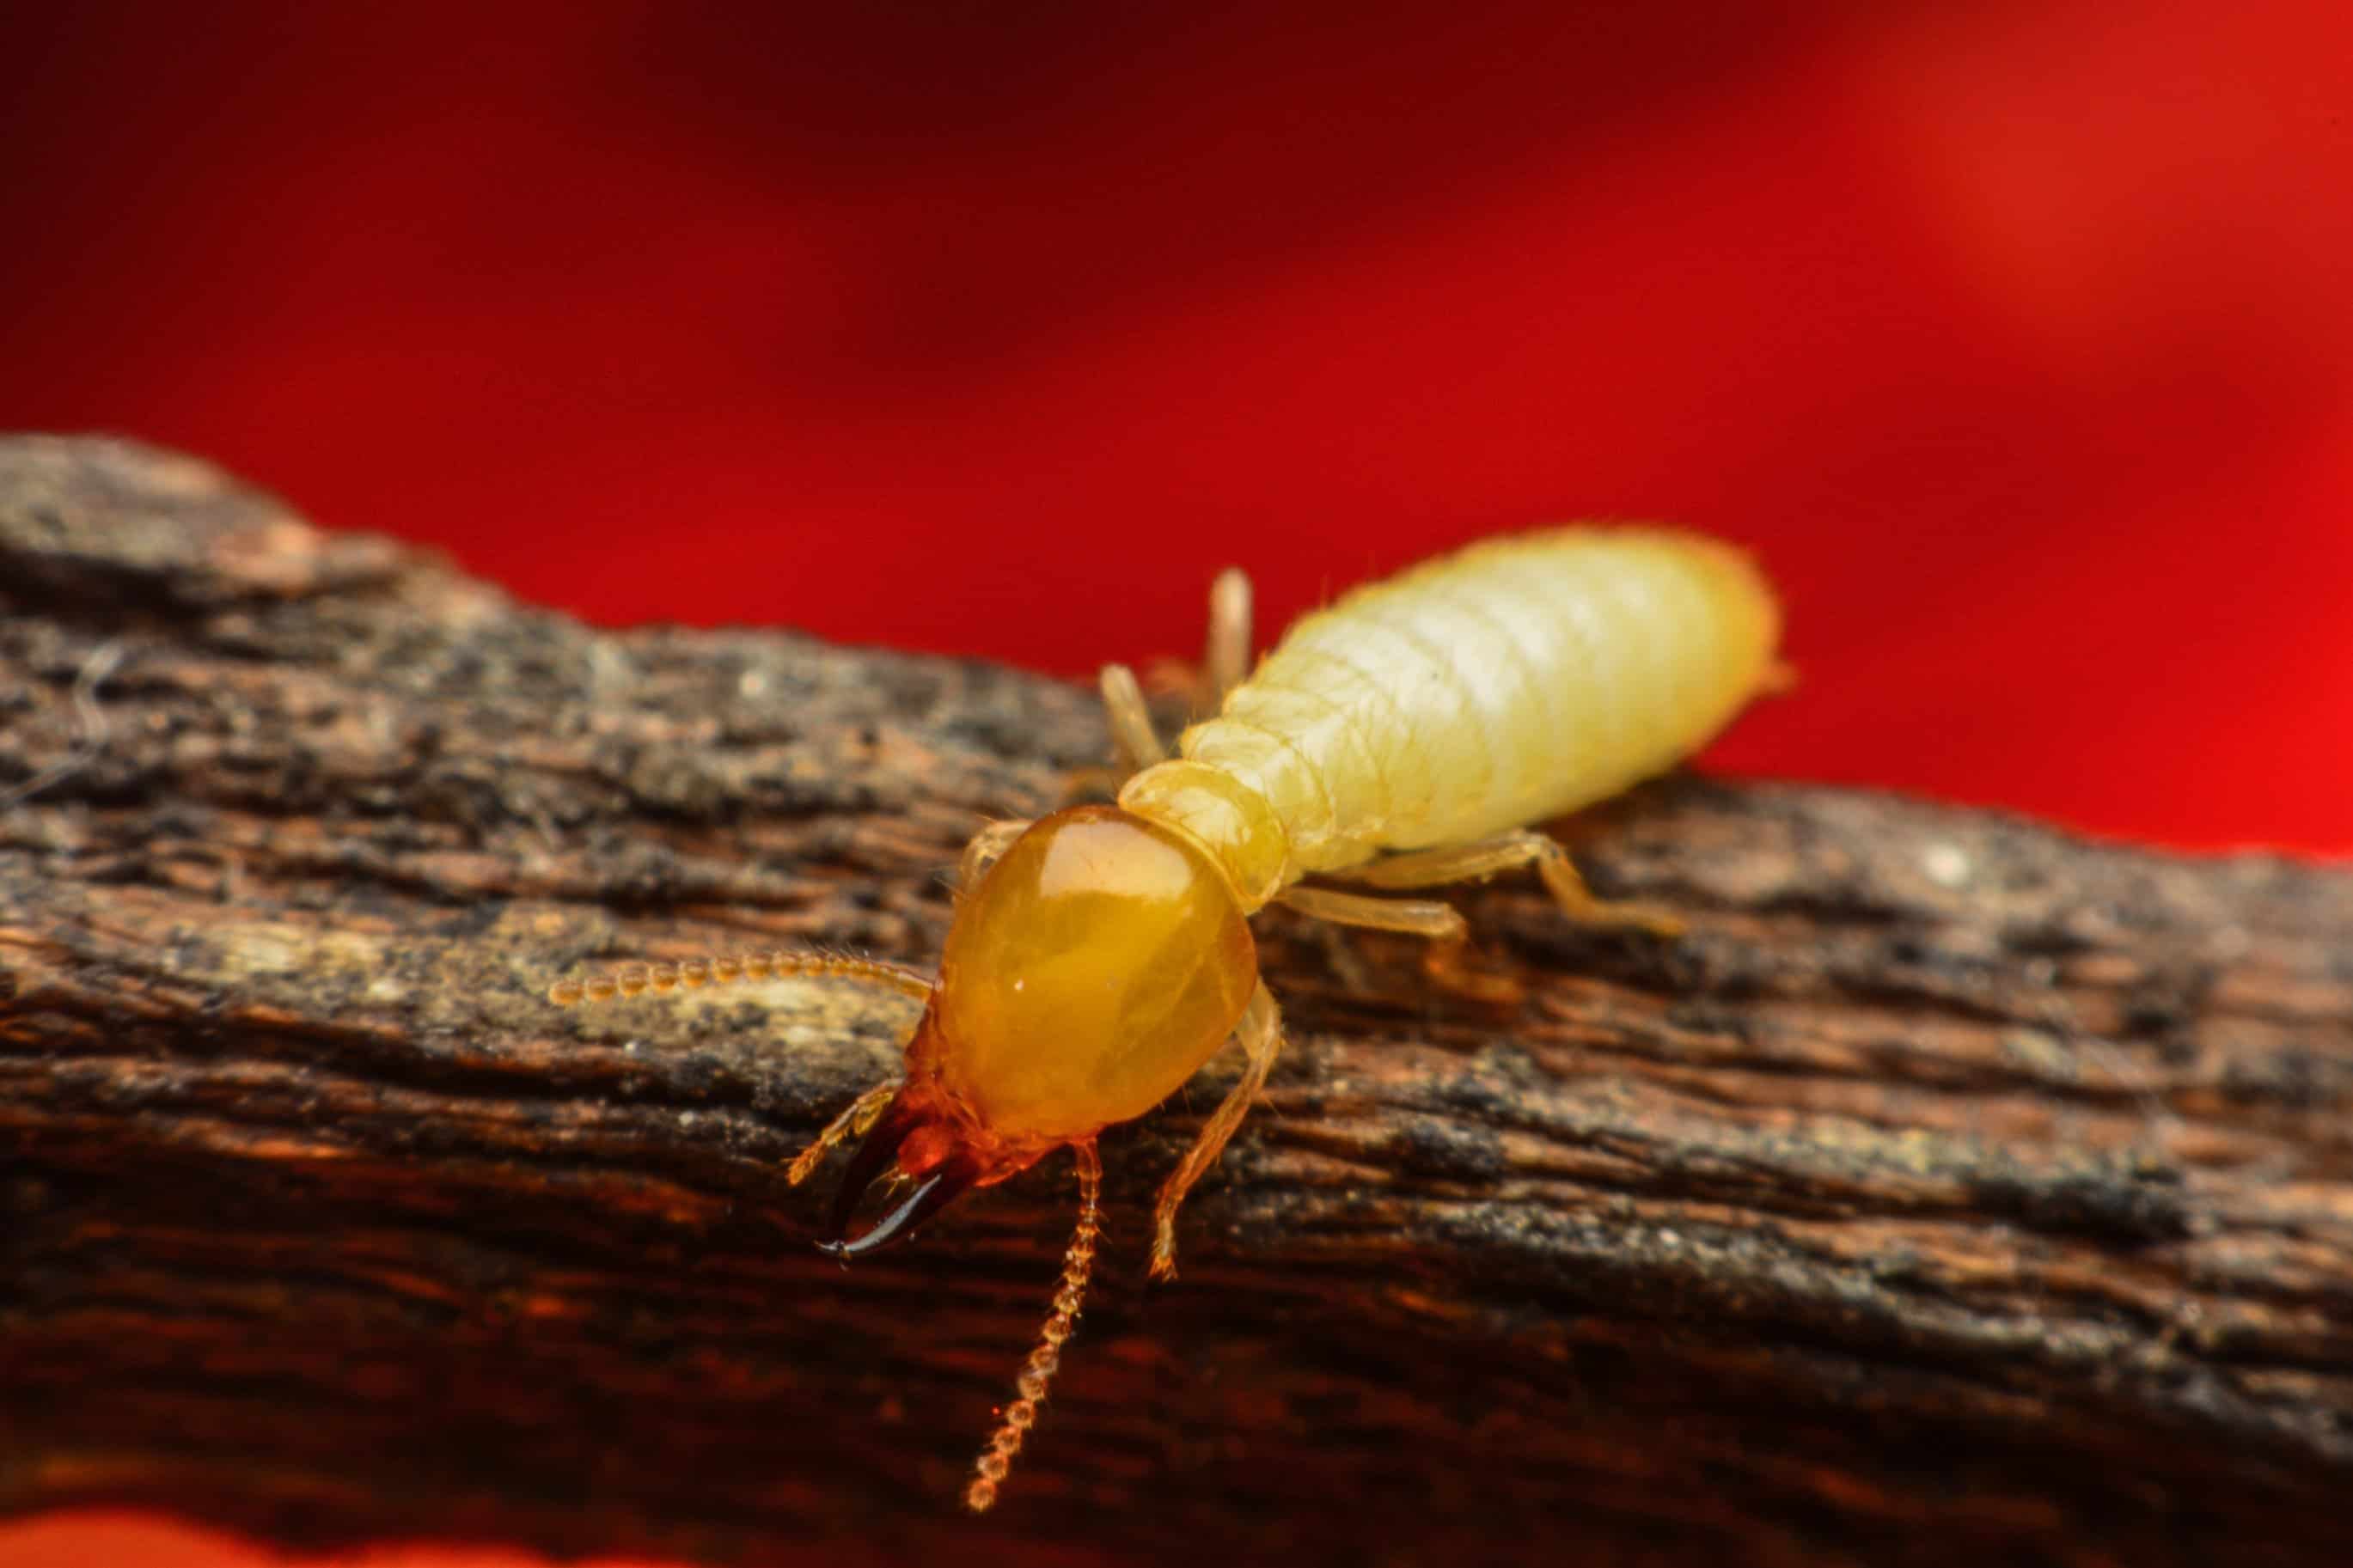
{"type": "Point", "coordinates": [2017, 338]}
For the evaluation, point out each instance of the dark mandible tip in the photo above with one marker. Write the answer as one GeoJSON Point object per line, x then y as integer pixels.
{"type": "Point", "coordinates": [929, 1196]}
{"type": "Point", "coordinates": [874, 1161]}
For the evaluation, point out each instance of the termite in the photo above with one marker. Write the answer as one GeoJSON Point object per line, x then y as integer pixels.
{"type": "Point", "coordinates": [1403, 738]}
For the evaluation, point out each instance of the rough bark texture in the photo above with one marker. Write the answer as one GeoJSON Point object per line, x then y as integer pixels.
{"type": "Point", "coordinates": [1955, 1192]}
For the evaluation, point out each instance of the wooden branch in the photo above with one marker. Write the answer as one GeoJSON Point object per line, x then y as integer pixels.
{"type": "Point", "coordinates": [1956, 1192]}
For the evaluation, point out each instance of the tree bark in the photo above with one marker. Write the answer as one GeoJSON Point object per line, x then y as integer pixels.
{"type": "Point", "coordinates": [1955, 1191]}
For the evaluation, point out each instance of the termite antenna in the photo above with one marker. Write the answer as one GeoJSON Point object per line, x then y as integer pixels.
{"type": "Point", "coordinates": [727, 969]}
{"type": "Point", "coordinates": [1013, 1425]}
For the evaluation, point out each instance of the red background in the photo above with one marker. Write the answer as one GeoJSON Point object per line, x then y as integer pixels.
{"type": "Point", "coordinates": [2019, 341]}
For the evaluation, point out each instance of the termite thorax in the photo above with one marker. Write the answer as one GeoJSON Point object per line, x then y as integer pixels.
{"type": "Point", "coordinates": [1230, 820]}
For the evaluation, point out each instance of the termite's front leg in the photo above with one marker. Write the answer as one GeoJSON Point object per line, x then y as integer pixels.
{"type": "Point", "coordinates": [853, 1122]}
{"type": "Point", "coordinates": [1261, 1038]}
{"type": "Point", "coordinates": [1509, 852]}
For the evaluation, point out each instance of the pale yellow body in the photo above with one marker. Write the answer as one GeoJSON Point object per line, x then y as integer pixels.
{"type": "Point", "coordinates": [1512, 682]}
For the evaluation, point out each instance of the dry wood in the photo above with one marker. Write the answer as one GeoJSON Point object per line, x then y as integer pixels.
{"type": "Point", "coordinates": [1956, 1191]}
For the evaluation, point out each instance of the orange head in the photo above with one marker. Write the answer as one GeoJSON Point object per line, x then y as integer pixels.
{"type": "Point", "coordinates": [1098, 962]}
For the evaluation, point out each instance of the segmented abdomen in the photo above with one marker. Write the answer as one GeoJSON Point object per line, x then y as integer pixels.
{"type": "Point", "coordinates": [1515, 681]}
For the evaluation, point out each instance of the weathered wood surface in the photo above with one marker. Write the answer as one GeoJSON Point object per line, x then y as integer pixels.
{"type": "Point", "coordinates": [1956, 1192]}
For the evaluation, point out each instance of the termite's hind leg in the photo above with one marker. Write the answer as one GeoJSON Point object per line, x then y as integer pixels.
{"type": "Point", "coordinates": [1508, 852]}
{"type": "Point", "coordinates": [1038, 1371]}
{"type": "Point", "coordinates": [854, 1122]}
{"type": "Point", "coordinates": [1261, 1038]}
{"type": "Point", "coordinates": [1131, 721]}
{"type": "Point", "coordinates": [1449, 935]}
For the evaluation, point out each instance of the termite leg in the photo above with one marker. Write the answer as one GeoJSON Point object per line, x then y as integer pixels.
{"type": "Point", "coordinates": [1261, 1038]}
{"type": "Point", "coordinates": [853, 1122]}
{"type": "Point", "coordinates": [1416, 917]}
{"type": "Point", "coordinates": [991, 842]}
{"type": "Point", "coordinates": [1509, 852]}
{"type": "Point", "coordinates": [1038, 1371]}
{"type": "Point", "coordinates": [1226, 654]}
{"type": "Point", "coordinates": [1130, 720]}
{"type": "Point", "coordinates": [1449, 935]}
{"type": "Point", "coordinates": [1227, 659]}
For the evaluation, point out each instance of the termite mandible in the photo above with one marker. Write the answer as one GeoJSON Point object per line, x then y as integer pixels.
{"type": "Point", "coordinates": [1404, 737]}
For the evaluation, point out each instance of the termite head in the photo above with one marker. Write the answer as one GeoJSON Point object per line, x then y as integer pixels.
{"type": "Point", "coordinates": [1101, 961]}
